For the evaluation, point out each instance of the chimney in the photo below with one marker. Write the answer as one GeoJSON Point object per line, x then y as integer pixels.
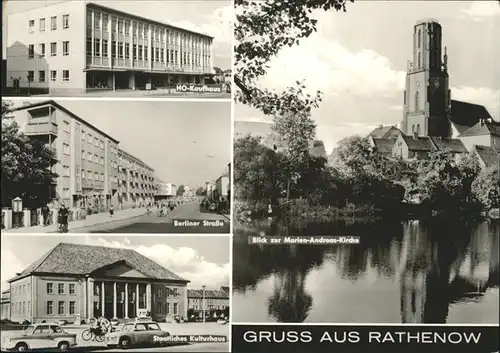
{"type": "Point", "coordinates": [415, 135]}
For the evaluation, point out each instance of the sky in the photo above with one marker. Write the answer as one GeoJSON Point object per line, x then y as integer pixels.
{"type": "Point", "coordinates": [358, 59]}
{"type": "Point", "coordinates": [210, 17]}
{"type": "Point", "coordinates": [204, 260]}
{"type": "Point", "coordinates": [185, 142]}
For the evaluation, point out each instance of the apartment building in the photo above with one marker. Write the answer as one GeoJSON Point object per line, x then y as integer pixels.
{"type": "Point", "coordinates": [208, 299]}
{"type": "Point", "coordinates": [77, 46]}
{"type": "Point", "coordinates": [165, 190]}
{"type": "Point", "coordinates": [86, 156]}
{"type": "Point", "coordinates": [75, 282]}
{"type": "Point", "coordinates": [136, 182]}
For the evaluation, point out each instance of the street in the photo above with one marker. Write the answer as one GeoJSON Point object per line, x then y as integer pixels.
{"type": "Point", "coordinates": [174, 329]}
{"type": "Point", "coordinates": [154, 224]}
{"type": "Point", "coordinates": [138, 93]}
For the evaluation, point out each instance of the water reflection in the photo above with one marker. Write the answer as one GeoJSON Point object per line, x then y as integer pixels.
{"type": "Point", "coordinates": [411, 272]}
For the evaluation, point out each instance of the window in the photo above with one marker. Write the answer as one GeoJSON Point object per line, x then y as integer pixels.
{"type": "Point", "coordinates": [417, 101]}
{"type": "Point", "coordinates": [96, 176]}
{"type": "Point", "coordinates": [66, 75]}
{"type": "Point", "coordinates": [127, 51]}
{"type": "Point", "coordinates": [176, 309]}
{"type": "Point", "coordinates": [41, 76]}
{"type": "Point", "coordinates": [105, 23]}
{"type": "Point", "coordinates": [83, 174]}
{"type": "Point", "coordinates": [42, 25]}
{"type": "Point", "coordinates": [50, 288]}
{"type": "Point", "coordinates": [89, 156]}
{"type": "Point", "coordinates": [65, 193]}
{"type": "Point", "coordinates": [50, 310]}
{"type": "Point", "coordinates": [65, 148]}
{"type": "Point", "coordinates": [53, 75]}
{"type": "Point", "coordinates": [113, 49]}
{"type": "Point", "coordinates": [72, 288]}
{"type": "Point", "coordinates": [53, 49]}
{"type": "Point", "coordinates": [60, 310]}
{"type": "Point", "coordinates": [418, 129]}
{"type": "Point", "coordinates": [113, 24]}
{"type": "Point", "coordinates": [102, 177]}
{"type": "Point", "coordinates": [60, 286]}
{"type": "Point", "coordinates": [53, 23]}
{"type": "Point", "coordinates": [140, 52]}
{"type": "Point", "coordinates": [31, 51]}
{"type": "Point", "coordinates": [83, 154]}
{"type": "Point", "coordinates": [134, 51]}
{"type": "Point", "coordinates": [66, 174]}
{"type": "Point", "coordinates": [31, 76]}
{"type": "Point", "coordinates": [66, 126]}
{"type": "Point", "coordinates": [96, 158]}
{"type": "Point", "coordinates": [29, 307]}
{"type": "Point", "coordinates": [418, 61]}
{"type": "Point", "coordinates": [120, 26]}
{"type": "Point", "coordinates": [145, 53]}
{"type": "Point", "coordinates": [89, 138]}
{"type": "Point", "coordinates": [65, 21]}
{"type": "Point", "coordinates": [120, 50]}
{"type": "Point", "coordinates": [97, 21]}
{"type": "Point", "coordinates": [97, 47]}
{"type": "Point", "coordinates": [31, 25]}
{"type": "Point", "coordinates": [102, 160]}
{"type": "Point", "coordinates": [419, 38]}
{"type": "Point", "coordinates": [71, 308]}
{"type": "Point", "coordinates": [105, 48]}
{"type": "Point", "coordinates": [127, 27]}
{"type": "Point", "coordinates": [83, 136]}
{"type": "Point", "coordinates": [41, 49]}
{"type": "Point", "coordinates": [89, 46]}
{"type": "Point", "coordinates": [96, 142]}
{"type": "Point", "coordinates": [66, 48]}
{"type": "Point", "coordinates": [101, 144]}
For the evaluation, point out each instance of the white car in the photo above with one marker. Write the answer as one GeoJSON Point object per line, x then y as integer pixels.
{"type": "Point", "coordinates": [40, 336]}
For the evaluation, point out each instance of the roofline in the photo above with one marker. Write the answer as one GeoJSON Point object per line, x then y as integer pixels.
{"type": "Point", "coordinates": [73, 115]}
{"type": "Point", "coordinates": [98, 6]}
{"type": "Point", "coordinates": [138, 159]}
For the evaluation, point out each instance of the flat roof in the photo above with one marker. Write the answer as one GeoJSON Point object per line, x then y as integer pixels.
{"type": "Point", "coordinates": [98, 6]}
{"type": "Point", "coordinates": [73, 115]}
{"type": "Point", "coordinates": [120, 150]}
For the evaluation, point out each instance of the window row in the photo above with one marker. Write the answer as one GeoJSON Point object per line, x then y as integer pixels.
{"type": "Point", "coordinates": [61, 288]}
{"type": "Point", "coordinates": [121, 50]}
{"type": "Point", "coordinates": [21, 308]}
{"type": "Point", "coordinates": [88, 175]}
{"type": "Point", "coordinates": [87, 137]}
{"type": "Point", "coordinates": [20, 289]}
{"type": "Point", "coordinates": [101, 22]}
{"type": "Point", "coordinates": [96, 159]}
{"type": "Point", "coordinates": [167, 292]}
{"type": "Point", "coordinates": [53, 76]}
{"type": "Point", "coordinates": [53, 49]}
{"type": "Point", "coordinates": [167, 308]}
{"type": "Point", "coordinates": [42, 26]}
{"type": "Point", "coordinates": [62, 309]}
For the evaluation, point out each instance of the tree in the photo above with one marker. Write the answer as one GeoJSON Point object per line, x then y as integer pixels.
{"type": "Point", "coordinates": [486, 188]}
{"type": "Point", "coordinates": [262, 29]}
{"type": "Point", "coordinates": [200, 191]}
{"type": "Point", "coordinates": [447, 183]}
{"type": "Point", "coordinates": [26, 165]}
{"type": "Point", "coordinates": [257, 175]}
{"type": "Point", "coordinates": [180, 190]}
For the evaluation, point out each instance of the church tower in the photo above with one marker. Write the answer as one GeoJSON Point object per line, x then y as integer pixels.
{"type": "Point", "coordinates": [427, 95]}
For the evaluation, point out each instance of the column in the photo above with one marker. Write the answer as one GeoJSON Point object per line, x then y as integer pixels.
{"type": "Point", "coordinates": [148, 296]}
{"type": "Point", "coordinates": [126, 300]}
{"type": "Point", "coordinates": [110, 41]}
{"type": "Point", "coordinates": [115, 299]}
{"type": "Point", "coordinates": [114, 81]}
{"type": "Point", "coordinates": [150, 47]}
{"type": "Point", "coordinates": [137, 307]}
{"type": "Point", "coordinates": [90, 297]}
{"type": "Point", "coordinates": [102, 299]}
{"type": "Point", "coordinates": [92, 38]}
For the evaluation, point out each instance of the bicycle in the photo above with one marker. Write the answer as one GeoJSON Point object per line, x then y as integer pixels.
{"type": "Point", "coordinates": [91, 335]}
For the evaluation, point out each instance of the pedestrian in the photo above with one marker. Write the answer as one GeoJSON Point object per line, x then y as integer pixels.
{"type": "Point", "coordinates": [45, 215]}
{"type": "Point", "coordinates": [269, 211]}
{"type": "Point", "coordinates": [111, 210]}
{"type": "Point", "coordinates": [63, 218]}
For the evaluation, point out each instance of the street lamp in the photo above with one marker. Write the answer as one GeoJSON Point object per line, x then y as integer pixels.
{"type": "Point", "coordinates": [203, 302]}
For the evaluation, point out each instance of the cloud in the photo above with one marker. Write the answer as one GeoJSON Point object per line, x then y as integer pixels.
{"type": "Point", "coordinates": [219, 24]}
{"type": "Point", "coordinates": [327, 65]}
{"type": "Point", "coordinates": [488, 97]}
{"type": "Point", "coordinates": [481, 10]}
{"type": "Point", "coordinates": [14, 266]}
{"type": "Point", "coordinates": [183, 261]}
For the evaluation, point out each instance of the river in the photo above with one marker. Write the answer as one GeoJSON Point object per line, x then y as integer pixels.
{"type": "Point", "coordinates": [432, 271]}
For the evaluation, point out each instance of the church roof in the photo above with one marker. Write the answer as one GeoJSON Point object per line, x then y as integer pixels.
{"type": "Point", "coordinates": [467, 114]}
{"type": "Point", "coordinates": [383, 145]}
{"type": "Point", "coordinates": [488, 155]}
{"type": "Point", "coordinates": [420, 144]}
{"type": "Point", "coordinates": [483, 128]}
{"type": "Point", "coordinates": [80, 260]}
{"type": "Point", "coordinates": [447, 144]}
{"type": "Point", "coordinates": [383, 131]}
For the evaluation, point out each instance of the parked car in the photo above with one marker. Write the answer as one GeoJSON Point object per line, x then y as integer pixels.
{"type": "Point", "coordinates": [40, 336]}
{"type": "Point", "coordinates": [138, 333]}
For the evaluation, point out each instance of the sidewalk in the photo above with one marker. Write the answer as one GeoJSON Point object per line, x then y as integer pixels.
{"type": "Point", "coordinates": [91, 220]}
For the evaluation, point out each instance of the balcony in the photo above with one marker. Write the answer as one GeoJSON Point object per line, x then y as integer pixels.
{"type": "Point", "coordinates": [41, 128]}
